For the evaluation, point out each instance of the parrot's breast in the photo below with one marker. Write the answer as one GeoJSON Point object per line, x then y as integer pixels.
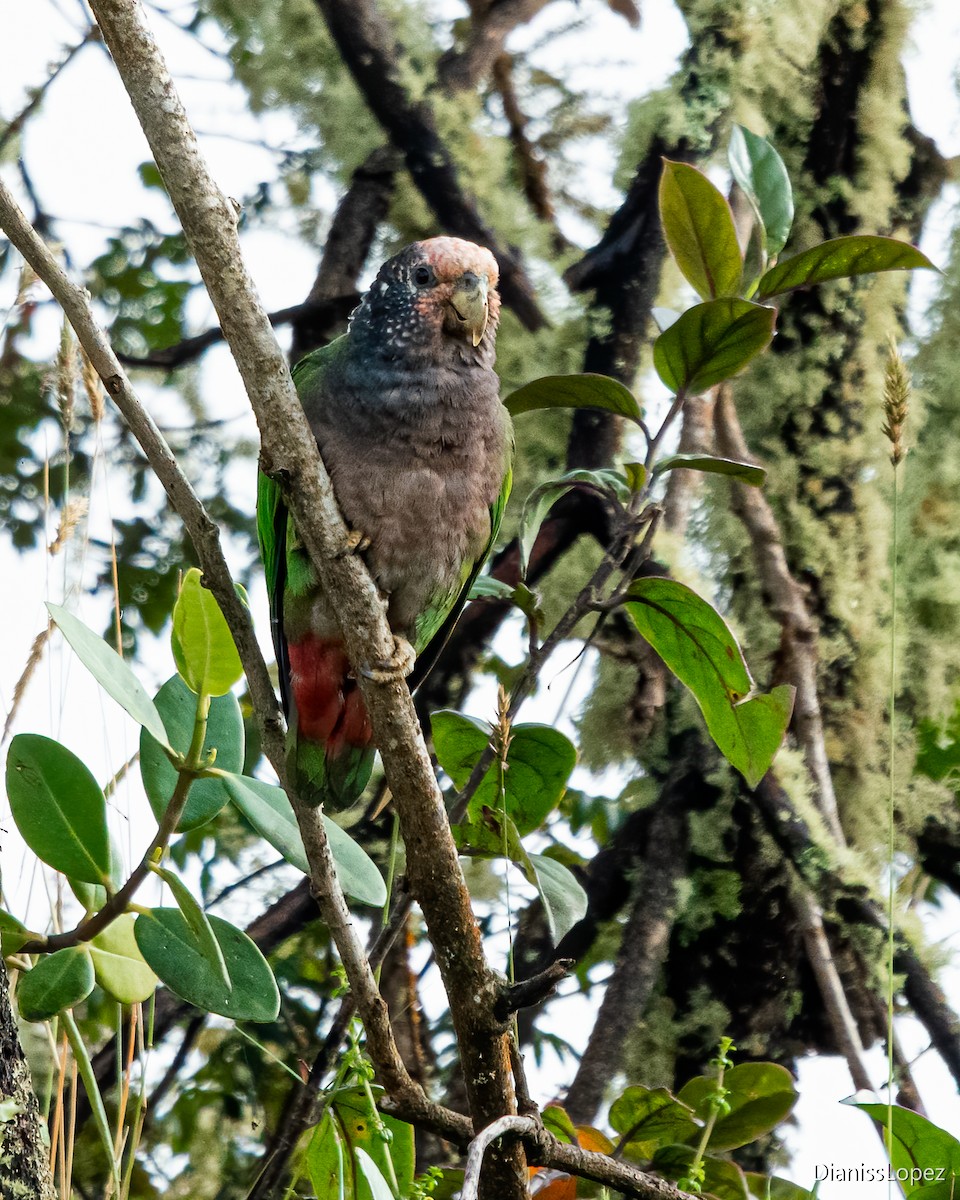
{"type": "Point", "coordinates": [416, 467]}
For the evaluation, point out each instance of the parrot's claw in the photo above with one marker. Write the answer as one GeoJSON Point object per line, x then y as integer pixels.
{"type": "Point", "coordinates": [356, 542]}
{"type": "Point", "coordinates": [398, 666]}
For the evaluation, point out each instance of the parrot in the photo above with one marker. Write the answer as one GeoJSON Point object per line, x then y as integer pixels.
{"type": "Point", "coordinates": [405, 407]}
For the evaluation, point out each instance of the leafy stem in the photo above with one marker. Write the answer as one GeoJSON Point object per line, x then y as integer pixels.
{"type": "Point", "coordinates": [718, 1106]}
{"type": "Point", "coordinates": [192, 767]}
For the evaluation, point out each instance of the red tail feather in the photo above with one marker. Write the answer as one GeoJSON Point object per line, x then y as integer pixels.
{"type": "Point", "coordinates": [330, 708]}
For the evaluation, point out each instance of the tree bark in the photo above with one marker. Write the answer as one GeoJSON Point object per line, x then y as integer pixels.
{"type": "Point", "coordinates": [24, 1168]}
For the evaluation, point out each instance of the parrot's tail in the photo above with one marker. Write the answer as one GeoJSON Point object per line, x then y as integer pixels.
{"type": "Point", "coordinates": [332, 754]}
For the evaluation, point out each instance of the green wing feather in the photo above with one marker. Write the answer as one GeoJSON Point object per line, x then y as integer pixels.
{"type": "Point", "coordinates": [274, 527]}
{"type": "Point", "coordinates": [435, 624]}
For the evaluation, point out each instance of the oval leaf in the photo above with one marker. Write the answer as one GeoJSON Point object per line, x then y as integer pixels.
{"type": "Point", "coordinates": [760, 172]}
{"type": "Point", "coordinates": [58, 807]}
{"type": "Point", "coordinates": [760, 1096]}
{"type": "Point", "coordinates": [177, 706]}
{"type": "Point", "coordinates": [699, 229]}
{"type": "Point", "coordinates": [169, 946]}
{"type": "Point", "coordinates": [575, 391]}
{"type": "Point", "coordinates": [542, 499]}
{"type": "Point", "coordinates": [539, 762]}
{"type": "Point", "coordinates": [203, 647]}
{"type": "Point", "coordinates": [268, 810]}
{"type": "Point", "coordinates": [120, 967]}
{"type": "Point", "coordinates": [199, 924]}
{"type": "Point", "coordinates": [861, 254]}
{"type": "Point", "coordinates": [13, 933]}
{"type": "Point", "coordinates": [58, 981]}
{"type": "Point", "coordinates": [748, 473]}
{"type": "Point", "coordinates": [695, 643]}
{"type": "Point", "coordinates": [564, 900]}
{"type": "Point", "coordinates": [711, 342]}
{"type": "Point", "coordinates": [918, 1146]}
{"type": "Point", "coordinates": [109, 670]}
{"type": "Point", "coordinates": [650, 1118]}
{"type": "Point", "coordinates": [487, 587]}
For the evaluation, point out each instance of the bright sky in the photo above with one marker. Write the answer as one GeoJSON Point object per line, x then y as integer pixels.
{"type": "Point", "coordinates": [83, 150]}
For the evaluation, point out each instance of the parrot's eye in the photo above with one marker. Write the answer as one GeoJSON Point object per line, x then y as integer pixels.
{"type": "Point", "coordinates": [424, 277]}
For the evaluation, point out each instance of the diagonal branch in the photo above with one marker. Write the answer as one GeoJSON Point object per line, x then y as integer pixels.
{"type": "Point", "coordinates": [289, 452]}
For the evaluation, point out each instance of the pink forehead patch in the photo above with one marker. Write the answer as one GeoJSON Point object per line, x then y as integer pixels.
{"type": "Point", "coordinates": [450, 257]}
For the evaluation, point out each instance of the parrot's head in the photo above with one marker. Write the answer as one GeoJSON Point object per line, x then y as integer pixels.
{"type": "Point", "coordinates": [434, 295]}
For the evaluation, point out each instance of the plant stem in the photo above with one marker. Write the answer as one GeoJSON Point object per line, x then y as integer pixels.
{"type": "Point", "coordinates": [93, 1092]}
{"type": "Point", "coordinates": [891, 887]}
{"type": "Point", "coordinates": [117, 903]}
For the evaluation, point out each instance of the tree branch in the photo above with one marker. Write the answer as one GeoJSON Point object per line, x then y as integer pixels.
{"type": "Point", "coordinates": [24, 1169]}
{"type": "Point", "coordinates": [490, 26]}
{"type": "Point", "coordinates": [203, 531]}
{"type": "Point", "coordinates": [289, 453]}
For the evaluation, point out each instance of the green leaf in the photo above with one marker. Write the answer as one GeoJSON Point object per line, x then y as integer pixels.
{"type": "Point", "coordinates": [711, 342]}
{"type": "Point", "coordinates": [329, 1163]}
{"type": "Point", "coordinates": [564, 900]}
{"type": "Point", "coordinates": [373, 1176]}
{"type": "Point", "coordinates": [652, 1118]}
{"type": "Point", "coordinates": [177, 706]}
{"type": "Point", "coordinates": [348, 1126]}
{"type": "Point", "coordinates": [58, 807]}
{"type": "Point", "coordinates": [13, 934]}
{"type": "Point", "coordinates": [773, 1187]}
{"type": "Point", "coordinates": [58, 981]}
{"type": "Point", "coordinates": [203, 648]}
{"type": "Point", "coordinates": [268, 810]}
{"type": "Point", "coordinates": [760, 1095]}
{"type": "Point", "coordinates": [199, 924]}
{"type": "Point", "coordinates": [109, 670]}
{"type": "Point", "coordinates": [722, 1179]}
{"type": "Point", "coordinates": [120, 967]}
{"type": "Point", "coordinates": [635, 474]}
{"type": "Point", "coordinates": [169, 946]}
{"type": "Point", "coordinates": [539, 762]}
{"type": "Point", "coordinates": [746, 472]}
{"type": "Point", "coordinates": [861, 254]}
{"type": "Point", "coordinates": [93, 896]}
{"type": "Point", "coordinates": [486, 587]}
{"type": "Point", "coordinates": [575, 391]}
{"type": "Point", "coordinates": [918, 1146]}
{"type": "Point", "coordinates": [542, 499]}
{"type": "Point", "coordinates": [760, 172]}
{"type": "Point", "coordinates": [699, 229]}
{"type": "Point", "coordinates": [693, 640]}
{"type": "Point", "coordinates": [557, 1121]}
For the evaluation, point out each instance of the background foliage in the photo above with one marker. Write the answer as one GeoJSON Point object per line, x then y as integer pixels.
{"type": "Point", "coordinates": [696, 922]}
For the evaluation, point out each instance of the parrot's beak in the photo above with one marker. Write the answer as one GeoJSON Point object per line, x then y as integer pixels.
{"type": "Point", "coordinates": [467, 308]}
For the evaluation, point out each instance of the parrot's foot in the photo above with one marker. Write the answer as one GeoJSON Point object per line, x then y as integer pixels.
{"type": "Point", "coordinates": [356, 542]}
{"type": "Point", "coordinates": [398, 666]}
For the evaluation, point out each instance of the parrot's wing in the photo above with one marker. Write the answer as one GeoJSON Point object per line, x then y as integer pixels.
{"type": "Point", "coordinates": [273, 525]}
{"type": "Point", "coordinates": [435, 625]}
{"type": "Point", "coordinates": [272, 519]}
